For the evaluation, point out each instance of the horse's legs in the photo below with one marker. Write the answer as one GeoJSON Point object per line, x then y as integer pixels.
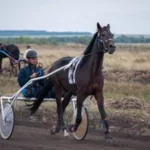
{"type": "Point", "coordinates": [65, 103]}
{"type": "Point", "coordinates": [0, 65]}
{"type": "Point", "coordinates": [11, 68]}
{"type": "Point", "coordinates": [100, 103]}
{"type": "Point", "coordinates": [59, 108]}
{"type": "Point", "coordinates": [80, 99]}
{"type": "Point", "coordinates": [66, 100]}
{"type": "Point", "coordinates": [19, 66]}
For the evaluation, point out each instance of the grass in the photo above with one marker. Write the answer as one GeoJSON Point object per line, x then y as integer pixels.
{"type": "Point", "coordinates": [126, 57]}
{"type": "Point", "coordinates": [128, 60]}
{"type": "Point", "coordinates": [118, 90]}
{"type": "Point", "coordinates": [8, 85]}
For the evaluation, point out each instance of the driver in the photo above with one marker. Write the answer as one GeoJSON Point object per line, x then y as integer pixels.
{"type": "Point", "coordinates": [29, 72]}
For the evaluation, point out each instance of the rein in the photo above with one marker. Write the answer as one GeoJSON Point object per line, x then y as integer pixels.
{"type": "Point", "coordinates": [14, 61]}
{"type": "Point", "coordinates": [105, 43]}
{"type": "Point", "coordinates": [100, 50]}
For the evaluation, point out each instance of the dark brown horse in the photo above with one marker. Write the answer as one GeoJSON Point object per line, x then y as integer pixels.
{"type": "Point", "coordinates": [12, 52]}
{"type": "Point", "coordinates": [89, 79]}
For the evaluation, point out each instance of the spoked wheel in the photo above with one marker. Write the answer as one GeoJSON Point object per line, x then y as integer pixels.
{"type": "Point", "coordinates": [7, 123]}
{"type": "Point", "coordinates": [82, 130]}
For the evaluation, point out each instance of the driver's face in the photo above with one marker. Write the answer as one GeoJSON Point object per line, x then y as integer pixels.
{"type": "Point", "coordinates": [33, 61]}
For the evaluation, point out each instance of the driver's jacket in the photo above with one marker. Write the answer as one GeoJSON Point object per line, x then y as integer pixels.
{"type": "Point", "coordinates": [24, 77]}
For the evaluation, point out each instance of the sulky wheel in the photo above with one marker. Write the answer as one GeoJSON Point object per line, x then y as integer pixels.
{"type": "Point", "coordinates": [82, 130]}
{"type": "Point", "coordinates": [7, 123]}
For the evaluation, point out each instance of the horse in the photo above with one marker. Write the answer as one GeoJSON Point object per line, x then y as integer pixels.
{"type": "Point", "coordinates": [12, 52]}
{"type": "Point", "coordinates": [89, 80]}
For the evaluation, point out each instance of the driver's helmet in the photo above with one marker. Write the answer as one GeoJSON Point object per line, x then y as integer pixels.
{"type": "Point", "coordinates": [31, 54]}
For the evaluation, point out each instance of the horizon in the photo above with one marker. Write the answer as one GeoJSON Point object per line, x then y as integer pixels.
{"type": "Point", "coordinates": [29, 30]}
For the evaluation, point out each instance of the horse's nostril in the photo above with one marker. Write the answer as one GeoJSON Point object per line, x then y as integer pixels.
{"type": "Point", "coordinates": [112, 46]}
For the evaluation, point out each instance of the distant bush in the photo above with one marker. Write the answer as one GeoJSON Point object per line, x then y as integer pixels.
{"type": "Point", "coordinates": [51, 40]}
{"type": "Point", "coordinates": [131, 39]}
{"type": "Point", "coordinates": [73, 39]}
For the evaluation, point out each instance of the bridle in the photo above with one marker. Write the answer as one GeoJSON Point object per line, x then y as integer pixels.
{"type": "Point", "coordinates": [101, 47]}
{"type": "Point", "coordinates": [103, 44]}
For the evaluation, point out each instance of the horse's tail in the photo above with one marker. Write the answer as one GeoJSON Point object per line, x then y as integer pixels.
{"type": "Point", "coordinates": [40, 96]}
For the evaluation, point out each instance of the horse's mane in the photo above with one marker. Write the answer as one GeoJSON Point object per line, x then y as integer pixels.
{"type": "Point", "coordinates": [88, 50]}
{"type": "Point", "coordinates": [90, 46]}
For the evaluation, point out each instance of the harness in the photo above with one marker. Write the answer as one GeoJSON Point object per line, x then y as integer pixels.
{"type": "Point", "coordinates": [14, 61]}
{"type": "Point", "coordinates": [72, 70]}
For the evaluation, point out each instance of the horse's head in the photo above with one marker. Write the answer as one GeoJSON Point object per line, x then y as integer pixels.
{"type": "Point", "coordinates": [105, 39]}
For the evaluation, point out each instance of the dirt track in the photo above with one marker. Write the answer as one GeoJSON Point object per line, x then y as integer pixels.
{"type": "Point", "coordinates": [31, 138]}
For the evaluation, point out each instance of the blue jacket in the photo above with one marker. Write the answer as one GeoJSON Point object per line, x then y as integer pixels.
{"type": "Point", "coordinates": [26, 72]}
{"type": "Point", "coordinates": [24, 77]}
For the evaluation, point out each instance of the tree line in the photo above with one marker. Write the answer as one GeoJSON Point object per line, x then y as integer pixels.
{"type": "Point", "coordinates": [74, 39]}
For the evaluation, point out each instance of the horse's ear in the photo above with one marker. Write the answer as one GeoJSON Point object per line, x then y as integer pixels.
{"type": "Point", "coordinates": [108, 26]}
{"type": "Point", "coordinates": [98, 26]}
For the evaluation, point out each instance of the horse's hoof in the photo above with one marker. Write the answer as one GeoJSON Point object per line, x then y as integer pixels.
{"type": "Point", "coordinates": [73, 128]}
{"type": "Point", "coordinates": [57, 129]}
{"type": "Point", "coordinates": [108, 136]}
{"type": "Point", "coordinates": [52, 132]}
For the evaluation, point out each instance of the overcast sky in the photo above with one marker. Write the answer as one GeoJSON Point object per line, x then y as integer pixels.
{"type": "Point", "coordinates": [124, 16]}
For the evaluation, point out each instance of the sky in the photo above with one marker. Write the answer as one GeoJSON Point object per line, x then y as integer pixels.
{"type": "Point", "coordinates": [124, 16]}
